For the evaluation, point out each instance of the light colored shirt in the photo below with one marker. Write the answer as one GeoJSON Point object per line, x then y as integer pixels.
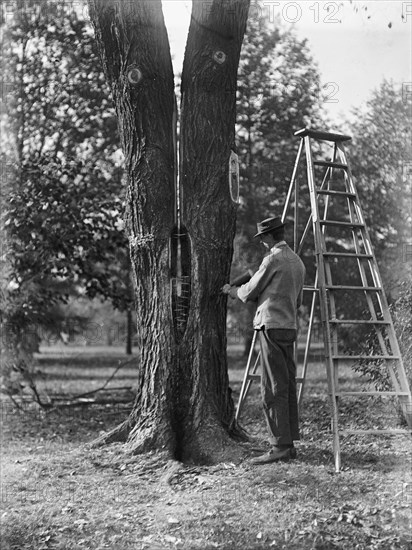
{"type": "Point", "coordinates": [277, 288]}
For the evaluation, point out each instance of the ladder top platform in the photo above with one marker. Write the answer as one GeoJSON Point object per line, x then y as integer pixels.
{"type": "Point", "coordinates": [326, 136]}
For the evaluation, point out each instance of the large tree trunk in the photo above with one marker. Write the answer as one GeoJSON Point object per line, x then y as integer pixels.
{"type": "Point", "coordinates": [181, 257]}
{"type": "Point", "coordinates": [209, 215]}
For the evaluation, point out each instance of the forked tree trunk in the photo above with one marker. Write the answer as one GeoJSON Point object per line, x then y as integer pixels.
{"type": "Point", "coordinates": [183, 404]}
{"type": "Point", "coordinates": [209, 214]}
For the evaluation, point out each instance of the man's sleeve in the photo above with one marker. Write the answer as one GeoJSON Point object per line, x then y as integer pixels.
{"type": "Point", "coordinates": [250, 291]}
{"type": "Point", "coordinates": [300, 298]}
{"type": "Point", "coordinates": [300, 295]}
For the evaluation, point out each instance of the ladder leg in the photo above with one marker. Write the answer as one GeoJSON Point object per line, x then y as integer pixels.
{"type": "Point", "coordinates": [321, 272]}
{"type": "Point", "coordinates": [336, 443]}
{"type": "Point", "coordinates": [296, 219]}
{"type": "Point", "coordinates": [293, 182]}
{"type": "Point", "coordinates": [245, 386]}
{"type": "Point", "coordinates": [249, 381]}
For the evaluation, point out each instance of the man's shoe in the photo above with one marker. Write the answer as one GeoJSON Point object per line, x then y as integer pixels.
{"type": "Point", "coordinates": [275, 454]}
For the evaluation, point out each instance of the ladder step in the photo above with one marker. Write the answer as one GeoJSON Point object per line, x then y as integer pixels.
{"type": "Point", "coordinates": [344, 287]}
{"type": "Point", "coordinates": [338, 193]}
{"type": "Point", "coordinates": [365, 357]}
{"type": "Point", "coordinates": [330, 164]}
{"type": "Point", "coordinates": [257, 378]}
{"type": "Point", "coordinates": [348, 287]}
{"type": "Point", "coordinates": [361, 393]}
{"type": "Point", "coordinates": [325, 136]}
{"type": "Point", "coordinates": [388, 431]}
{"type": "Point", "coordinates": [358, 322]}
{"type": "Point", "coordinates": [341, 224]}
{"type": "Point", "coordinates": [348, 255]}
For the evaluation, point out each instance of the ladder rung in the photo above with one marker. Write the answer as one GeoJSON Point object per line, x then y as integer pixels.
{"type": "Point", "coordinates": [365, 357]}
{"type": "Point", "coordinates": [358, 322]}
{"type": "Point", "coordinates": [349, 255]}
{"type": "Point", "coordinates": [341, 224]}
{"type": "Point", "coordinates": [330, 164]}
{"type": "Point", "coordinates": [338, 193]}
{"type": "Point", "coordinates": [311, 288]}
{"type": "Point", "coordinates": [348, 287]}
{"type": "Point", "coordinates": [257, 377]}
{"type": "Point", "coordinates": [360, 393]}
{"type": "Point", "coordinates": [377, 432]}
{"type": "Point", "coordinates": [325, 136]}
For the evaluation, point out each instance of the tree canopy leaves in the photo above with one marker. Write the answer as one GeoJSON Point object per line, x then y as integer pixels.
{"type": "Point", "coordinates": [381, 153]}
{"type": "Point", "coordinates": [64, 167]}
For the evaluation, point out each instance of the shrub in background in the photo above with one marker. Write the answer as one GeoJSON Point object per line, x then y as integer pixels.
{"type": "Point", "coordinates": [401, 311]}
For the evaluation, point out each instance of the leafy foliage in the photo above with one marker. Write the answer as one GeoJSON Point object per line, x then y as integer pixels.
{"type": "Point", "coordinates": [401, 311]}
{"type": "Point", "coordinates": [61, 179]}
{"type": "Point", "coordinates": [402, 315]}
{"type": "Point", "coordinates": [63, 222]}
{"type": "Point", "coordinates": [59, 99]}
{"type": "Point", "coordinates": [69, 233]}
{"type": "Point", "coordinates": [279, 92]}
{"type": "Point", "coordinates": [381, 156]}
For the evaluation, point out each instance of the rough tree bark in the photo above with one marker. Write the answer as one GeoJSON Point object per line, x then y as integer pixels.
{"type": "Point", "coordinates": [181, 257]}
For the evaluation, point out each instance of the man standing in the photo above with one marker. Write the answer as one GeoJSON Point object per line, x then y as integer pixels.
{"type": "Point", "coordinates": [277, 288]}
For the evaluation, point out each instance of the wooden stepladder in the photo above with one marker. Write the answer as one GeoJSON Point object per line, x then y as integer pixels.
{"type": "Point", "coordinates": [347, 278]}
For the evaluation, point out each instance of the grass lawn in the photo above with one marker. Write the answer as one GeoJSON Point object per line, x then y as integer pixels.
{"type": "Point", "coordinates": [60, 493]}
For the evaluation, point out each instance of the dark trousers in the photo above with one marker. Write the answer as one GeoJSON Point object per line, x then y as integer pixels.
{"type": "Point", "coordinates": [279, 385]}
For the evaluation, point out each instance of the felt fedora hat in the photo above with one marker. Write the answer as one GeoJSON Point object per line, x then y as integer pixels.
{"type": "Point", "coordinates": [268, 225]}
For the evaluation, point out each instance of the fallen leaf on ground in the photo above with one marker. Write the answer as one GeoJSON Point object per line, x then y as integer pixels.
{"type": "Point", "coordinates": [172, 521]}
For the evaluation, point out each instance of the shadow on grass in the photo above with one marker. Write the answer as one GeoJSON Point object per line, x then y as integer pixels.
{"type": "Point", "coordinates": [89, 374]}
{"type": "Point", "coordinates": [86, 361]}
{"type": "Point", "coordinates": [21, 532]}
{"type": "Point", "coordinates": [78, 424]}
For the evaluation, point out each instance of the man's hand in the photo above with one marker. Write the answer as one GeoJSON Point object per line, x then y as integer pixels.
{"type": "Point", "coordinates": [230, 290]}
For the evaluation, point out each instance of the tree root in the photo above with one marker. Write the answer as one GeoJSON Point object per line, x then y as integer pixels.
{"type": "Point", "coordinates": [139, 439]}
{"type": "Point", "coordinates": [210, 444]}
{"type": "Point", "coordinates": [238, 432]}
{"type": "Point", "coordinates": [142, 439]}
{"type": "Point", "coordinates": [119, 434]}
{"type": "Point", "coordinates": [174, 468]}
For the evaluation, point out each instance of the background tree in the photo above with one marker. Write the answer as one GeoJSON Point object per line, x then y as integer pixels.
{"type": "Point", "coordinates": [62, 175]}
{"type": "Point", "coordinates": [381, 153]}
{"type": "Point", "coordinates": [279, 92]}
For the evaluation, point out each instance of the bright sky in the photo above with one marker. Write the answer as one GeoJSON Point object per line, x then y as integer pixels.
{"type": "Point", "coordinates": [354, 53]}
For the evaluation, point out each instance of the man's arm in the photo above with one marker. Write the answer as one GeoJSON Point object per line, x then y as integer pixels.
{"type": "Point", "coordinates": [242, 279]}
{"type": "Point", "coordinates": [254, 284]}
{"type": "Point", "coordinates": [231, 289]}
{"type": "Point", "coordinates": [249, 292]}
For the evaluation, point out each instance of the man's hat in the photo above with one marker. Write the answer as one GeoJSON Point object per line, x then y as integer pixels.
{"type": "Point", "coordinates": [269, 225]}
